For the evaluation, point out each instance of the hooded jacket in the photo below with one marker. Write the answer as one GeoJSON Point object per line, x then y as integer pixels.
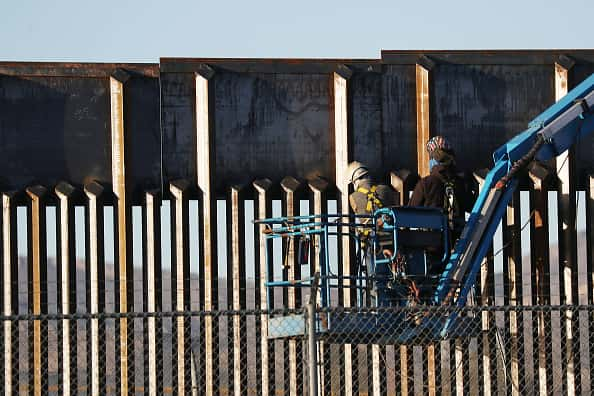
{"type": "Point", "coordinates": [430, 192]}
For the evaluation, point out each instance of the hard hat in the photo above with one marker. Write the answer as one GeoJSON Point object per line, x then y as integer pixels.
{"type": "Point", "coordinates": [355, 171]}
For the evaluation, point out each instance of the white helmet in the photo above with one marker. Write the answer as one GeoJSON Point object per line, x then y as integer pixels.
{"type": "Point", "coordinates": [356, 171]}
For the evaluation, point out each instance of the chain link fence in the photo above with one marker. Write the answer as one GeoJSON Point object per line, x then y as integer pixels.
{"type": "Point", "coordinates": [488, 350]}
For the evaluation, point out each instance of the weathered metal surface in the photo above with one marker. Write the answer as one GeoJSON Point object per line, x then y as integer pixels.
{"type": "Point", "coordinates": [487, 57]}
{"type": "Point", "coordinates": [96, 266]}
{"type": "Point", "coordinates": [62, 123]}
{"type": "Point", "coordinates": [565, 166]}
{"type": "Point", "coordinates": [180, 283]}
{"type": "Point", "coordinates": [263, 271]}
{"type": "Point", "coordinates": [143, 135]}
{"type": "Point", "coordinates": [67, 270]}
{"type": "Point", "coordinates": [581, 162]}
{"type": "Point", "coordinates": [269, 114]}
{"type": "Point", "coordinates": [123, 231]}
{"type": "Point", "coordinates": [344, 67]}
{"type": "Point", "coordinates": [539, 239]}
{"type": "Point", "coordinates": [318, 203]}
{"type": "Point", "coordinates": [445, 372]}
{"type": "Point", "coordinates": [37, 278]}
{"type": "Point", "coordinates": [10, 281]}
{"type": "Point", "coordinates": [512, 265]}
{"type": "Point", "coordinates": [75, 70]}
{"type": "Point", "coordinates": [431, 370]}
{"type": "Point", "coordinates": [342, 157]}
{"type": "Point", "coordinates": [367, 112]}
{"type": "Point", "coordinates": [153, 290]}
{"type": "Point", "coordinates": [237, 264]}
{"type": "Point", "coordinates": [208, 222]}
{"type": "Point", "coordinates": [555, 292]}
{"type": "Point", "coordinates": [398, 118]}
{"type": "Point", "coordinates": [271, 125]}
{"type": "Point", "coordinates": [423, 118]}
{"type": "Point", "coordinates": [383, 113]}
{"type": "Point", "coordinates": [291, 272]}
{"type": "Point", "coordinates": [178, 137]}
{"type": "Point", "coordinates": [492, 104]}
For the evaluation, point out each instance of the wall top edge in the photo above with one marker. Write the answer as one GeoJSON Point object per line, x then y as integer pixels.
{"type": "Point", "coordinates": [388, 57]}
{"type": "Point", "coordinates": [268, 65]}
{"type": "Point", "coordinates": [488, 57]}
{"type": "Point", "coordinates": [298, 65]}
{"type": "Point", "coordinates": [69, 69]}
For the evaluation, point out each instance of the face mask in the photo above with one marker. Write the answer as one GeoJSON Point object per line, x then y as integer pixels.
{"type": "Point", "coordinates": [432, 163]}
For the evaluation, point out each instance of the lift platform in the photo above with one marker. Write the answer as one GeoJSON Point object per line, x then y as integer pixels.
{"type": "Point", "coordinates": [386, 312]}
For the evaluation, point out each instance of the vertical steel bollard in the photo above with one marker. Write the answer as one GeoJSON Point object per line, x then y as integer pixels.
{"type": "Point", "coordinates": [312, 347]}
{"type": "Point", "coordinates": [310, 330]}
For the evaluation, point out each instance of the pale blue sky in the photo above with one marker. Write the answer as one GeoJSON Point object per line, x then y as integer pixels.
{"type": "Point", "coordinates": [110, 31]}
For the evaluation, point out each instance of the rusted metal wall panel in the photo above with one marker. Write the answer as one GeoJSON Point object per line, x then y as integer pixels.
{"type": "Point", "coordinates": [268, 115]}
{"type": "Point", "coordinates": [366, 110]}
{"type": "Point", "coordinates": [480, 107]}
{"type": "Point", "coordinates": [383, 118]}
{"type": "Point", "coordinates": [399, 117]}
{"type": "Point", "coordinates": [143, 134]}
{"type": "Point", "coordinates": [178, 126]}
{"type": "Point", "coordinates": [271, 125]}
{"type": "Point", "coordinates": [55, 125]}
{"type": "Point", "coordinates": [52, 129]}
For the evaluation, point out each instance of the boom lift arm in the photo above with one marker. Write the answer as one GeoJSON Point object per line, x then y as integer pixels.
{"type": "Point", "coordinates": [550, 134]}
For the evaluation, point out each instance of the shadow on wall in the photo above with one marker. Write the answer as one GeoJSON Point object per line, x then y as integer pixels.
{"type": "Point", "coordinates": [56, 121]}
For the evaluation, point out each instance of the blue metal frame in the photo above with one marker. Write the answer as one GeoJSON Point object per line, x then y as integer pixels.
{"type": "Point", "coordinates": [386, 220]}
{"type": "Point", "coordinates": [314, 225]}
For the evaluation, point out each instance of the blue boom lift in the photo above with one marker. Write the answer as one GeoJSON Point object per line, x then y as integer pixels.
{"type": "Point", "coordinates": [415, 235]}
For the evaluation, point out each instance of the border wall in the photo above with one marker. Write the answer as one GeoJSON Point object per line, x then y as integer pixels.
{"type": "Point", "coordinates": [257, 136]}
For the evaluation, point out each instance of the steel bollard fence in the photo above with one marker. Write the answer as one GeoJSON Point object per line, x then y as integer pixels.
{"type": "Point", "coordinates": [312, 348]}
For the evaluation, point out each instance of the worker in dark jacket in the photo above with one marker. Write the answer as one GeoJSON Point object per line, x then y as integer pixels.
{"type": "Point", "coordinates": [366, 199]}
{"type": "Point", "coordinates": [444, 188]}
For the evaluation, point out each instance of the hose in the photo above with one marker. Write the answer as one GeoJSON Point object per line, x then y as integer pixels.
{"type": "Point", "coordinates": [521, 163]}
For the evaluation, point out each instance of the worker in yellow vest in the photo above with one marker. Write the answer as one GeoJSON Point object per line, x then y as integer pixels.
{"type": "Point", "coordinates": [368, 196]}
